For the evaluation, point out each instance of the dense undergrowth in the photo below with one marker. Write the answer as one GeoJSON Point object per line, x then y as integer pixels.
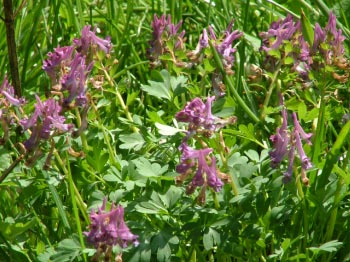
{"type": "Point", "coordinates": [176, 131]}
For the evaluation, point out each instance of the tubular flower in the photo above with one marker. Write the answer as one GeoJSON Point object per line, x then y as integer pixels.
{"type": "Point", "coordinates": [327, 48]}
{"type": "Point", "coordinates": [205, 175]}
{"type": "Point", "coordinates": [280, 142]}
{"type": "Point", "coordinates": [45, 121]}
{"type": "Point", "coordinates": [88, 39]}
{"type": "Point", "coordinates": [279, 31]}
{"type": "Point", "coordinates": [109, 228]}
{"type": "Point", "coordinates": [69, 66]}
{"type": "Point", "coordinates": [7, 90]}
{"type": "Point", "coordinates": [300, 133]}
{"type": "Point", "coordinates": [199, 116]}
{"type": "Point", "coordinates": [224, 45]}
{"type": "Point", "coordinates": [57, 61]}
{"type": "Point", "coordinates": [164, 32]}
{"type": "Point", "coordinates": [75, 81]}
{"type": "Point", "coordinates": [288, 143]}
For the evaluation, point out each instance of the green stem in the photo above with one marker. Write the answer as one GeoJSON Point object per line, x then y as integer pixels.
{"type": "Point", "coordinates": [66, 172]}
{"type": "Point", "coordinates": [82, 135]}
{"type": "Point", "coordinates": [111, 152]}
{"type": "Point", "coordinates": [120, 99]}
{"type": "Point", "coordinates": [333, 216]}
{"type": "Point", "coordinates": [304, 214]}
{"type": "Point", "coordinates": [72, 192]}
{"type": "Point", "coordinates": [319, 135]}
{"type": "Point", "coordinates": [234, 187]}
{"type": "Point", "coordinates": [232, 90]}
{"type": "Point", "coordinates": [269, 92]}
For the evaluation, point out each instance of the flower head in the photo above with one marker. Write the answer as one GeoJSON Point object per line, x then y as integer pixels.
{"type": "Point", "coordinates": [205, 175]}
{"type": "Point", "coordinates": [165, 31]}
{"type": "Point", "coordinates": [224, 45]}
{"type": "Point", "coordinates": [57, 61]}
{"type": "Point", "coordinates": [109, 228]}
{"type": "Point", "coordinates": [287, 143]}
{"type": "Point", "coordinates": [7, 90]}
{"type": "Point", "coordinates": [45, 121]}
{"type": "Point", "coordinates": [75, 81]}
{"type": "Point", "coordinates": [88, 38]}
{"type": "Point", "coordinates": [198, 115]}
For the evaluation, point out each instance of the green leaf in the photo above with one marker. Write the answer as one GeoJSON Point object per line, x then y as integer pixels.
{"type": "Point", "coordinates": [246, 132]}
{"type": "Point", "coordinates": [211, 238]}
{"type": "Point", "coordinates": [157, 89]}
{"type": "Point", "coordinates": [148, 208]}
{"type": "Point", "coordinates": [330, 246]}
{"type": "Point", "coordinates": [288, 60]}
{"type": "Point", "coordinates": [5, 159]}
{"type": "Point", "coordinates": [307, 29]}
{"type": "Point", "coordinates": [333, 155]}
{"type": "Point", "coordinates": [11, 230]}
{"type": "Point", "coordinates": [147, 169]}
{"type": "Point", "coordinates": [131, 141]}
{"type": "Point", "coordinates": [67, 250]}
{"type": "Point", "coordinates": [166, 130]}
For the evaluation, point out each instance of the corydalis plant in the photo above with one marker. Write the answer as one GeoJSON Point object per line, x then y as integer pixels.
{"type": "Point", "coordinates": [200, 164]}
{"type": "Point", "coordinates": [69, 67]}
{"type": "Point", "coordinates": [108, 229]}
{"type": "Point", "coordinates": [224, 47]}
{"type": "Point", "coordinates": [287, 143]}
{"type": "Point", "coordinates": [8, 101]}
{"type": "Point", "coordinates": [166, 39]}
{"type": "Point", "coordinates": [285, 44]}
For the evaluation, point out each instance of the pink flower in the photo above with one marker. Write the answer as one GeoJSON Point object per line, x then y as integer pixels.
{"type": "Point", "coordinates": [109, 228]}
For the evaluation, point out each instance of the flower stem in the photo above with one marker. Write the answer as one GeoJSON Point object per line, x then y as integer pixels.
{"type": "Point", "coordinates": [72, 190]}
{"type": "Point", "coordinates": [112, 153]}
{"type": "Point", "coordinates": [304, 214]}
{"type": "Point", "coordinates": [120, 99]}
{"type": "Point", "coordinates": [269, 92]}
{"type": "Point", "coordinates": [232, 90]}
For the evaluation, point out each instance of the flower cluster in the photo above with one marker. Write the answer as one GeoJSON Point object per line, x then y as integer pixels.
{"type": "Point", "coordinates": [164, 34]}
{"type": "Point", "coordinates": [46, 121]}
{"type": "Point", "coordinates": [69, 66]}
{"type": "Point", "coordinates": [8, 99]}
{"type": "Point", "coordinates": [223, 45]}
{"type": "Point", "coordinates": [108, 229]}
{"type": "Point", "coordinates": [198, 116]}
{"type": "Point", "coordinates": [199, 163]}
{"type": "Point", "coordinates": [285, 143]}
{"type": "Point", "coordinates": [325, 50]}
{"type": "Point", "coordinates": [198, 159]}
{"type": "Point", "coordinates": [167, 40]}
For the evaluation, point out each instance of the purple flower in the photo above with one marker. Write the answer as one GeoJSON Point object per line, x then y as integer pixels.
{"type": "Point", "coordinates": [286, 143]}
{"type": "Point", "coordinates": [45, 120]}
{"type": "Point", "coordinates": [109, 228]}
{"type": "Point", "coordinates": [88, 38]}
{"type": "Point", "coordinates": [299, 132]}
{"type": "Point", "coordinates": [280, 142]}
{"type": "Point", "coordinates": [7, 90]}
{"type": "Point", "coordinates": [279, 31]}
{"type": "Point", "coordinates": [198, 115]}
{"type": "Point", "coordinates": [205, 174]}
{"type": "Point", "coordinates": [224, 46]}
{"type": "Point", "coordinates": [75, 81]}
{"type": "Point", "coordinates": [57, 61]}
{"type": "Point", "coordinates": [164, 31]}
{"type": "Point", "coordinates": [287, 176]}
